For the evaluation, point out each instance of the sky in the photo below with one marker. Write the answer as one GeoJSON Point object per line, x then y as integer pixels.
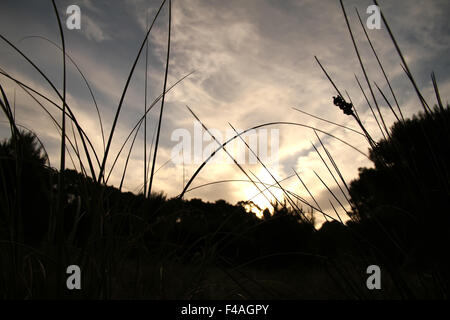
{"type": "Point", "coordinates": [253, 62]}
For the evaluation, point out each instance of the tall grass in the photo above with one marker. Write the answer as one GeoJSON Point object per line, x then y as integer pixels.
{"type": "Point", "coordinates": [95, 197]}
{"type": "Point", "coordinates": [399, 278]}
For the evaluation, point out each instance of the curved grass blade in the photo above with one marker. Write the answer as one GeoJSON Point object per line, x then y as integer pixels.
{"type": "Point", "coordinates": [257, 127]}
{"type": "Point", "coordinates": [84, 79]}
{"type": "Point", "coordinates": [328, 121]}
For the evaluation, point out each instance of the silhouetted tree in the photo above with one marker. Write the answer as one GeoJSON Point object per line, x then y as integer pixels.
{"type": "Point", "coordinates": [25, 188]}
{"type": "Point", "coordinates": [406, 195]}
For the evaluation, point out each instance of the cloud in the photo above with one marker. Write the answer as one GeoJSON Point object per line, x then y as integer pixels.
{"type": "Point", "coordinates": [93, 31]}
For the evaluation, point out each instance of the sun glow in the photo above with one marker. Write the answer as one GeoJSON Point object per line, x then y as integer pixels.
{"type": "Point", "coordinates": [263, 200]}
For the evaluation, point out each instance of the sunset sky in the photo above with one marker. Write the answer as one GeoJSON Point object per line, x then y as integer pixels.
{"type": "Point", "coordinates": [253, 62]}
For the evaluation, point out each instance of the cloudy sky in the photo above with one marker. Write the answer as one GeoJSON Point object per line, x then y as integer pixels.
{"type": "Point", "coordinates": [253, 62]}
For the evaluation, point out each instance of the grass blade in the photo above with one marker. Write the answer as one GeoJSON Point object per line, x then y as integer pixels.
{"type": "Point", "coordinates": [436, 91]}
{"type": "Point", "coordinates": [162, 103]}
{"type": "Point", "coordinates": [387, 101]}
{"type": "Point", "coordinates": [370, 107]}
{"type": "Point", "coordinates": [310, 194]}
{"type": "Point", "coordinates": [332, 193]}
{"type": "Point", "coordinates": [328, 121]}
{"type": "Point", "coordinates": [145, 113]}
